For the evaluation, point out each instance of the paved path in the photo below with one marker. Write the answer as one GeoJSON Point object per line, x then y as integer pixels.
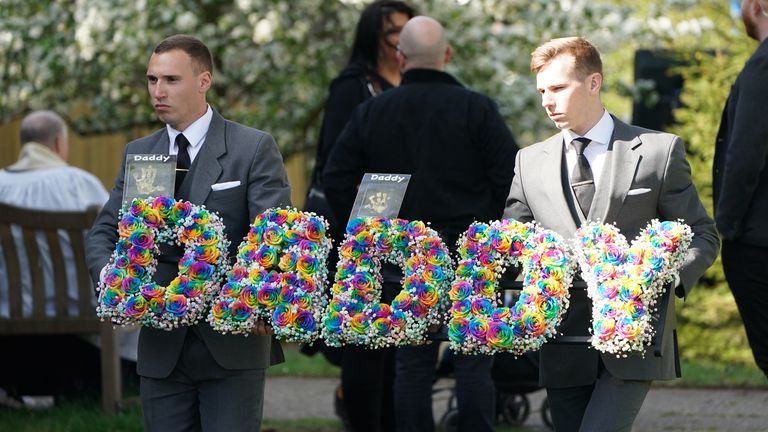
{"type": "Point", "coordinates": [665, 409]}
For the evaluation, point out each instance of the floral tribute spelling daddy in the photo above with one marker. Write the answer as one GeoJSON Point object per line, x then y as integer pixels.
{"type": "Point", "coordinates": [127, 293]}
{"type": "Point", "coordinates": [477, 324]}
{"type": "Point", "coordinates": [355, 314]}
{"type": "Point", "coordinates": [279, 276]}
{"type": "Point", "coordinates": [624, 282]}
{"type": "Point", "coordinates": [281, 270]}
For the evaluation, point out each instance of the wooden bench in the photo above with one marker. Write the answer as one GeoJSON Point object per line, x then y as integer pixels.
{"type": "Point", "coordinates": [63, 321]}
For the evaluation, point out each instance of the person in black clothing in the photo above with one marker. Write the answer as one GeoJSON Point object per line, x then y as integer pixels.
{"type": "Point", "coordinates": [372, 69]}
{"type": "Point", "coordinates": [365, 401]}
{"type": "Point", "coordinates": [740, 185]}
{"type": "Point", "coordinates": [460, 154]}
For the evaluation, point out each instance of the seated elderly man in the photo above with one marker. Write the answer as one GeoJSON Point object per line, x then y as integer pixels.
{"type": "Point", "coordinates": [41, 179]}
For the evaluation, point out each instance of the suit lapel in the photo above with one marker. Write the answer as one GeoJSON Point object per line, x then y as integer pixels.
{"type": "Point", "coordinates": [622, 166]}
{"type": "Point", "coordinates": [550, 173]}
{"type": "Point", "coordinates": [207, 168]}
{"type": "Point", "coordinates": [161, 145]}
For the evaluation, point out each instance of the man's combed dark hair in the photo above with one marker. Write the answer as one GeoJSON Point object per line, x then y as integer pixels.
{"type": "Point", "coordinates": [194, 47]}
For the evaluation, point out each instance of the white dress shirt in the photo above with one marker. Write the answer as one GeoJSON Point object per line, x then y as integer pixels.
{"type": "Point", "coordinates": [600, 135]}
{"type": "Point", "coordinates": [194, 133]}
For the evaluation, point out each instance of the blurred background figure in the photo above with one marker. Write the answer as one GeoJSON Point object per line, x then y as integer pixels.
{"type": "Point", "coordinates": [740, 185]}
{"type": "Point", "coordinates": [367, 375]}
{"type": "Point", "coordinates": [41, 179]}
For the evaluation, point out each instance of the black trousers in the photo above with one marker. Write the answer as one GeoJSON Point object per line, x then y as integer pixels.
{"type": "Point", "coordinates": [368, 375]}
{"type": "Point", "coordinates": [746, 269]}
{"type": "Point", "coordinates": [414, 376]}
{"type": "Point", "coordinates": [368, 379]}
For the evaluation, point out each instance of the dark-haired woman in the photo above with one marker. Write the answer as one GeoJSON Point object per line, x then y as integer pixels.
{"type": "Point", "coordinates": [367, 376]}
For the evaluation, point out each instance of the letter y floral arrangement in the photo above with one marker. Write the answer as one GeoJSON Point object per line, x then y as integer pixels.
{"type": "Point", "coordinates": [625, 282]}
{"type": "Point", "coordinates": [127, 293]}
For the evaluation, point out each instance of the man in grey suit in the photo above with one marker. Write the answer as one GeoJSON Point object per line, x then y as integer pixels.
{"type": "Point", "coordinates": [599, 168]}
{"type": "Point", "coordinates": [193, 378]}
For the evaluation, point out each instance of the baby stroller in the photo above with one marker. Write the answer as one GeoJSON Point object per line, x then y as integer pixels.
{"type": "Point", "coordinates": [513, 378]}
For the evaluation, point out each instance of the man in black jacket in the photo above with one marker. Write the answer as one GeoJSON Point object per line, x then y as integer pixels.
{"type": "Point", "coordinates": [740, 185]}
{"type": "Point", "coordinates": [459, 153]}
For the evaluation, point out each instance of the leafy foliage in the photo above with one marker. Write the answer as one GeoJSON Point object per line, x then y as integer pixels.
{"type": "Point", "coordinates": [710, 327]}
{"type": "Point", "coordinates": [273, 58]}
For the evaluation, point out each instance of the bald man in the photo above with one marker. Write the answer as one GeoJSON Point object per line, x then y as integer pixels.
{"type": "Point", "coordinates": [459, 153]}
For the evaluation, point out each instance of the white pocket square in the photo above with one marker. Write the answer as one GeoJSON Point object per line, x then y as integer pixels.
{"type": "Point", "coordinates": [638, 191]}
{"type": "Point", "coordinates": [225, 185]}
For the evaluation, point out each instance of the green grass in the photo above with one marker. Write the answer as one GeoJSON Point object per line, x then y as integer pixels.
{"type": "Point", "coordinates": [298, 364]}
{"type": "Point", "coordinates": [86, 416]}
{"type": "Point", "coordinates": [73, 416]}
{"type": "Point", "coordinates": [714, 375]}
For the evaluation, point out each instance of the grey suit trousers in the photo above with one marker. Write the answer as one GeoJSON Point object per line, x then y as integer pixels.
{"type": "Point", "coordinates": [200, 395]}
{"type": "Point", "coordinates": [609, 405]}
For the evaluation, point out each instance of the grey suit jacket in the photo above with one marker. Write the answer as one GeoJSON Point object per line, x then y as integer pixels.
{"type": "Point", "coordinates": [637, 159]}
{"type": "Point", "coordinates": [231, 152]}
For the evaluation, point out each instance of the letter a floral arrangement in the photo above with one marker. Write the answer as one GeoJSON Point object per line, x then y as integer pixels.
{"type": "Point", "coordinates": [279, 276]}
{"type": "Point", "coordinates": [127, 293]}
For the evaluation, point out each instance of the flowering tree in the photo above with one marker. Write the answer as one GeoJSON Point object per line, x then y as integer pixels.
{"type": "Point", "coordinates": [273, 58]}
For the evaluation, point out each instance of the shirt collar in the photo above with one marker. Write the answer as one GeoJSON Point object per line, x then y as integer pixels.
{"type": "Point", "coordinates": [412, 76]}
{"type": "Point", "coordinates": [600, 133]}
{"type": "Point", "coordinates": [36, 156]}
{"type": "Point", "coordinates": [194, 133]}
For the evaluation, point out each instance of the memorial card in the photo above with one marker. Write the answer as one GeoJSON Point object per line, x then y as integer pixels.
{"type": "Point", "coordinates": [380, 195]}
{"type": "Point", "coordinates": [149, 175]}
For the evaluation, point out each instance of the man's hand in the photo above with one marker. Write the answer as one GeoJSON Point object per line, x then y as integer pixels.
{"type": "Point", "coordinates": [263, 329]}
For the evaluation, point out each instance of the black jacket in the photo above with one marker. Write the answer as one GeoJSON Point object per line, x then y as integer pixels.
{"type": "Point", "coordinates": [352, 87]}
{"type": "Point", "coordinates": [740, 177]}
{"type": "Point", "coordinates": [452, 141]}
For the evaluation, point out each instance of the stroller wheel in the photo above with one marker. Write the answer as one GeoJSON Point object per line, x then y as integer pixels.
{"type": "Point", "coordinates": [513, 408]}
{"type": "Point", "coordinates": [546, 414]}
{"type": "Point", "coordinates": [450, 421]}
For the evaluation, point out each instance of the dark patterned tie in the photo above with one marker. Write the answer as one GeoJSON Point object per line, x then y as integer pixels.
{"type": "Point", "coordinates": [582, 181]}
{"type": "Point", "coordinates": [182, 161]}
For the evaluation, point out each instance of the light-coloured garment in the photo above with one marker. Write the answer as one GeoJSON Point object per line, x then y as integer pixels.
{"type": "Point", "coordinates": [40, 180]}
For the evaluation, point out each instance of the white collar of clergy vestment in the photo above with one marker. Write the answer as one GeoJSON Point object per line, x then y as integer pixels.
{"type": "Point", "coordinates": [194, 133]}
{"type": "Point", "coordinates": [595, 152]}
